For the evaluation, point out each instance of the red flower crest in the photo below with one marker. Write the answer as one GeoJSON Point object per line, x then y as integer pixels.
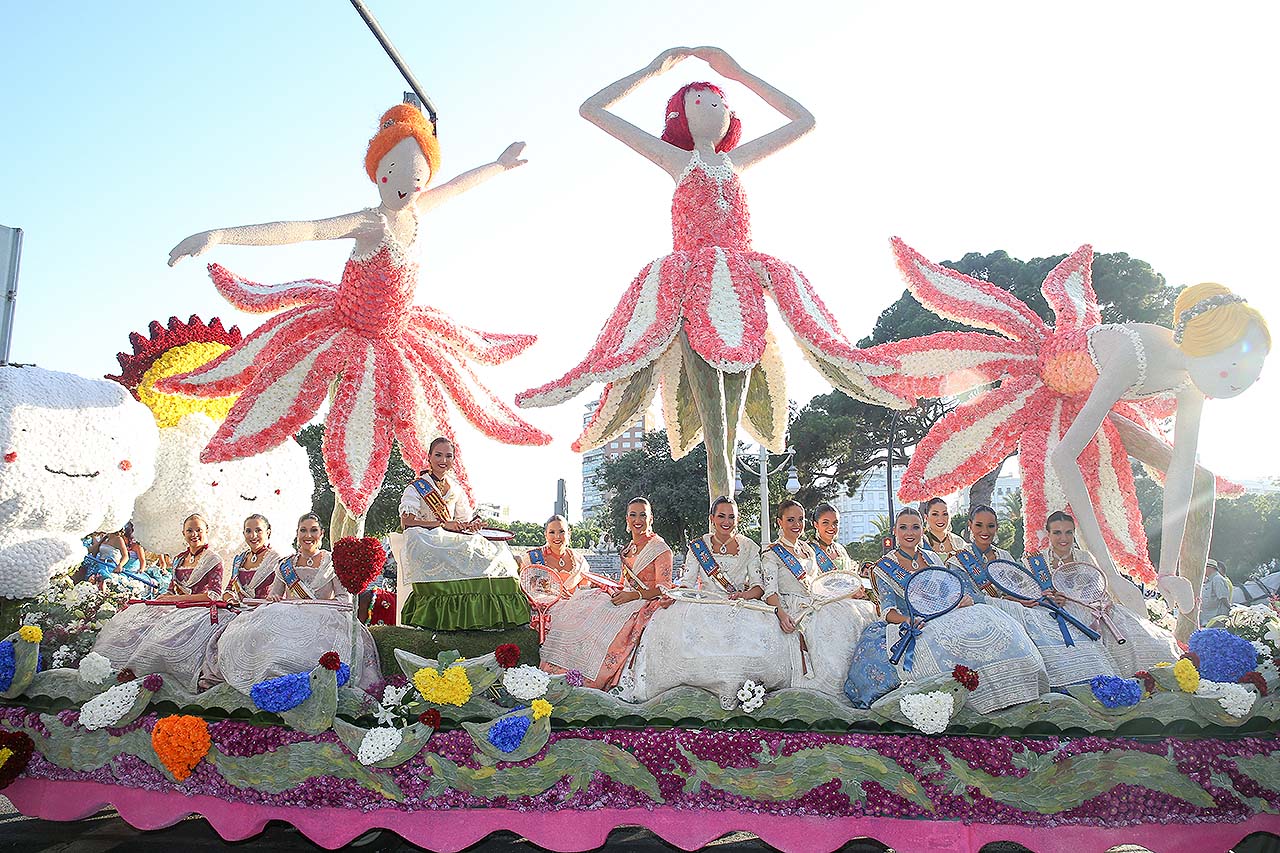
{"type": "Point", "coordinates": [430, 717]}
{"type": "Point", "coordinates": [330, 660]}
{"type": "Point", "coordinates": [357, 562]}
{"type": "Point", "coordinates": [965, 676]}
{"type": "Point", "coordinates": [1256, 680]}
{"type": "Point", "coordinates": [19, 747]}
{"type": "Point", "coordinates": [508, 655]}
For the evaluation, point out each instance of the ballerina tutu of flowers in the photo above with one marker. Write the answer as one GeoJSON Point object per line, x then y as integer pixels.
{"type": "Point", "coordinates": [388, 357]}
{"type": "Point", "coordinates": [694, 321]}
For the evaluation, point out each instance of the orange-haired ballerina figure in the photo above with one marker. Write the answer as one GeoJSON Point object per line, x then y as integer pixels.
{"type": "Point", "coordinates": [387, 356]}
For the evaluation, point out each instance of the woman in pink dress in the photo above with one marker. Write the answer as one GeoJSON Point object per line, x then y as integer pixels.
{"type": "Point", "coordinates": [387, 359]}
{"type": "Point", "coordinates": [253, 570]}
{"type": "Point", "coordinates": [695, 321]}
{"type": "Point", "coordinates": [596, 633]}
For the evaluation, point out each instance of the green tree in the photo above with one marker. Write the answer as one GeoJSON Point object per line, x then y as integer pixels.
{"type": "Point", "coordinates": [384, 511]}
{"type": "Point", "coordinates": [1012, 525]}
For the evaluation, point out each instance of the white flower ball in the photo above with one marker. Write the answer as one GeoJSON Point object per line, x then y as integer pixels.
{"type": "Point", "coordinates": [525, 682]}
{"type": "Point", "coordinates": [94, 668]}
{"type": "Point", "coordinates": [74, 453]}
{"type": "Point", "coordinates": [106, 708]}
{"type": "Point", "coordinates": [378, 744]}
{"type": "Point", "coordinates": [277, 484]}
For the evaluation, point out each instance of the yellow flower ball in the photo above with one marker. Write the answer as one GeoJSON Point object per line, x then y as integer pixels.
{"type": "Point", "coordinates": [5, 755]}
{"type": "Point", "coordinates": [1188, 678]}
{"type": "Point", "coordinates": [31, 633]}
{"type": "Point", "coordinates": [450, 688]}
{"type": "Point", "coordinates": [541, 708]}
{"type": "Point", "coordinates": [171, 408]}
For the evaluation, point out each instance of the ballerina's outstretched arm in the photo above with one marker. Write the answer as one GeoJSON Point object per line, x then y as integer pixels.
{"type": "Point", "coordinates": [507, 160]}
{"type": "Point", "coordinates": [801, 121]}
{"type": "Point", "coordinates": [273, 234]}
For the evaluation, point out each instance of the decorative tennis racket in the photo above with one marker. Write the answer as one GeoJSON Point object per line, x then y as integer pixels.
{"type": "Point", "coordinates": [1015, 581]}
{"type": "Point", "coordinates": [543, 589]}
{"type": "Point", "coordinates": [1086, 585]}
{"type": "Point", "coordinates": [930, 593]}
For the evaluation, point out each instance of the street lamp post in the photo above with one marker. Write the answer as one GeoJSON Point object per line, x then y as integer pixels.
{"type": "Point", "coordinates": [762, 469]}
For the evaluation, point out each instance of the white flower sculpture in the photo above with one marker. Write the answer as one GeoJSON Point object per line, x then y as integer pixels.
{"type": "Point", "coordinates": [929, 712]}
{"type": "Point", "coordinates": [751, 696]}
{"type": "Point", "coordinates": [525, 683]}
{"type": "Point", "coordinates": [378, 744]}
{"type": "Point", "coordinates": [105, 709]}
{"type": "Point", "coordinates": [94, 668]}
{"type": "Point", "coordinates": [1237, 700]}
{"type": "Point", "coordinates": [74, 453]}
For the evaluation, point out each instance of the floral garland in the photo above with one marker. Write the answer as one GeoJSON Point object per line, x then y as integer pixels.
{"type": "Point", "coordinates": [1222, 655]}
{"type": "Point", "coordinates": [507, 733]}
{"type": "Point", "coordinates": [928, 712]}
{"type": "Point", "coordinates": [453, 687]}
{"type": "Point", "coordinates": [1235, 699]}
{"type": "Point", "coordinates": [525, 682]}
{"type": "Point", "coordinates": [181, 742]}
{"type": "Point", "coordinates": [107, 708]}
{"type": "Point", "coordinates": [1114, 692]}
{"type": "Point", "coordinates": [751, 696]}
{"type": "Point", "coordinates": [72, 614]}
{"type": "Point", "coordinates": [378, 744]}
{"type": "Point", "coordinates": [94, 668]}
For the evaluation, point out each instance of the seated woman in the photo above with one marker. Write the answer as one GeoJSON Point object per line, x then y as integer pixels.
{"type": "Point", "coordinates": [1145, 644]}
{"type": "Point", "coordinates": [713, 645]}
{"type": "Point", "coordinates": [1065, 664]}
{"type": "Point", "coordinates": [461, 581]}
{"type": "Point", "coordinates": [173, 634]}
{"type": "Point", "coordinates": [253, 570]}
{"type": "Point", "coordinates": [551, 573]}
{"type": "Point", "coordinates": [594, 632]}
{"type": "Point", "coordinates": [826, 633]}
{"type": "Point", "coordinates": [938, 537]}
{"type": "Point", "coordinates": [983, 638]}
{"type": "Point", "coordinates": [309, 614]}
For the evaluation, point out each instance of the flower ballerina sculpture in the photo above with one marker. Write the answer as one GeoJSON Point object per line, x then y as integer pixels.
{"type": "Point", "coordinates": [1077, 399]}
{"type": "Point", "coordinates": [386, 357]}
{"type": "Point", "coordinates": [276, 483]}
{"type": "Point", "coordinates": [694, 321]}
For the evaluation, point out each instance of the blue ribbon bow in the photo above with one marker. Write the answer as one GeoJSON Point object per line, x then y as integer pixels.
{"type": "Point", "coordinates": [905, 649]}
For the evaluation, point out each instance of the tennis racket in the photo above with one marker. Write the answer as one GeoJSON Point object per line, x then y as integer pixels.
{"type": "Point", "coordinates": [1086, 585]}
{"type": "Point", "coordinates": [543, 588]}
{"type": "Point", "coordinates": [1017, 583]}
{"type": "Point", "coordinates": [930, 593]}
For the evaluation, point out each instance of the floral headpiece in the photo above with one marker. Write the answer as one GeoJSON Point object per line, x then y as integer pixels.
{"type": "Point", "coordinates": [1201, 307]}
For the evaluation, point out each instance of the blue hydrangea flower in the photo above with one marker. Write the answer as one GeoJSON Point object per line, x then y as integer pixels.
{"type": "Point", "coordinates": [7, 665]}
{"type": "Point", "coordinates": [344, 674]}
{"type": "Point", "coordinates": [507, 733]}
{"type": "Point", "coordinates": [1223, 655]}
{"type": "Point", "coordinates": [282, 693]}
{"type": "Point", "coordinates": [1115, 692]}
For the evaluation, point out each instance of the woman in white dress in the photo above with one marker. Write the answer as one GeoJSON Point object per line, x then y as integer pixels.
{"type": "Point", "coordinates": [551, 573]}
{"type": "Point", "coordinates": [713, 645]}
{"type": "Point", "coordinates": [173, 634]}
{"type": "Point", "coordinates": [309, 614]}
{"type": "Point", "coordinates": [253, 570]}
{"type": "Point", "coordinates": [461, 581]}
{"type": "Point", "coordinates": [1145, 644]}
{"type": "Point", "coordinates": [1065, 664]}
{"type": "Point", "coordinates": [938, 537]}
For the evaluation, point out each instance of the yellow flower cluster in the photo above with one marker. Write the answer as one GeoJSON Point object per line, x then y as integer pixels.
{"type": "Point", "coordinates": [5, 755]}
{"type": "Point", "coordinates": [451, 688]}
{"type": "Point", "coordinates": [31, 633]}
{"type": "Point", "coordinates": [171, 408]}
{"type": "Point", "coordinates": [541, 708]}
{"type": "Point", "coordinates": [1188, 678]}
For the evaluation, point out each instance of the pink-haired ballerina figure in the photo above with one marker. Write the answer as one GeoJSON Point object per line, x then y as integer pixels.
{"type": "Point", "coordinates": [694, 321]}
{"type": "Point", "coordinates": [385, 357]}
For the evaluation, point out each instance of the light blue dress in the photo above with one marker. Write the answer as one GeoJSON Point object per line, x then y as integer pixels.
{"type": "Point", "coordinates": [981, 637]}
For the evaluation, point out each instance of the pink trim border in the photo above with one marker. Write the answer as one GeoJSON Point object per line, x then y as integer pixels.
{"type": "Point", "coordinates": [450, 831]}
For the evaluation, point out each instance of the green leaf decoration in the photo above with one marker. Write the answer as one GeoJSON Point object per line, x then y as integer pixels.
{"type": "Point", "coordinates": [292, 764]}
{"type": "Point", "coordinates": [1263, 769]}
{"type": "Point", "coordinates": [412, 739]}
{"type": "Point", "coordinates": [446, 659]}
{"type": "Point", "coordinates": [83, 750]}
{"type": "Point", "coordinates": [577, 758]}
{"type": "Point", "coordinates": [26, 657]}
{"type": "Point", "coordinates": [534, 739]}
{"type": "Point", "coordinates": [759, 409]}
{"type": "Point", "coordinates": [631, 393]}
{"type": "Point", "coordinates": [786, 777]}
{"type": "Point", "coordinates": [316, 713]}
{"type": "Point", "coordinates": [1211, 709]}
{"type": "Point", "coordinates": [1055, 786]}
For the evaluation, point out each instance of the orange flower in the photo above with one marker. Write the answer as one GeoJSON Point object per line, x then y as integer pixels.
{"type": "Point", "coordinates": [181, 742]}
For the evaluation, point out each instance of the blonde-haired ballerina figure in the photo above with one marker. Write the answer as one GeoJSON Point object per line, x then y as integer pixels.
{"type": "Point", "coordinates": [1216, 349]}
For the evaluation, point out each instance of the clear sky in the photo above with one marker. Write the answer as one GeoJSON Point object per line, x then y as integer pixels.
{"type": "Point", "coordinates": [1147, 128]}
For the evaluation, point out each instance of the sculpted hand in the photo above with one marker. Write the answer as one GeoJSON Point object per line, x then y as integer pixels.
{"type": "Point", "coordinates": [670, 58]}
{"type": "Point", "coordinates": [193, 246]}
{"type": "Point", "coordinates": [510, 158]}
{"type": "Point", "coordinates": [720, 62]}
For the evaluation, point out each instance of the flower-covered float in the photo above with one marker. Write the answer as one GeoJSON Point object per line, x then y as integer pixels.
{"type": "Point", "coordinates": [276, 483]}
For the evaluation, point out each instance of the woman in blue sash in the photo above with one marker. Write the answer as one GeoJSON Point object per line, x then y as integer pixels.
{"type": "Point", "coordinates": [310, 614]}
{"type": "Point", "coordinates": [555, 555]}
{"type": "Point", "coordinates": [981, 637]}
{"type": "Point", "coordinates": [1066, 663]}
{"type": "Point", "coordinates": [460, 580]}
{"type": "Point", "coordinates": [938, 537]}
{"type": "Point", "coordinates": [253, 570]}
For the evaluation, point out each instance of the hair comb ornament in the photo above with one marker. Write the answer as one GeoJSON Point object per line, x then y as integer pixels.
{"type": "Point", "coordinates": [1202, 307]}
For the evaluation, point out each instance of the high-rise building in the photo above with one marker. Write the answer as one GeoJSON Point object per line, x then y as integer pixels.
{"type": "Point", "coordinates": [632, 438]}
{"type": "Point", "coordinates": [859, 511]}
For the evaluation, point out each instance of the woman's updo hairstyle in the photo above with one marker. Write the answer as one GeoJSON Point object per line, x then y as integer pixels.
{"type": "Point", "coordinates": [399, 123]}
{"type": "Point", "coordinates": [1208, 318]}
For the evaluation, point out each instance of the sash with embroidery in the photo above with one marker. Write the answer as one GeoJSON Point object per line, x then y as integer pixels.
{"type": "Point", "coordinates": [237, 565]}
{"type": "Point", "coordinates": [1040, 570]}
{"type": "Point", "coordinates": [430, 494]}
{"type": "Point", "coordinates": [976, 565]}
{"type": "Point", "coordinates": [291, 579]}
{"type": "Point", "coordinates": [825, 563]}
{"type": "Point", "coordinates": [536, 558]}
{"type": "Point", "coordinates": [792, 563]}
{"type": "Point", "coordinates": [703, 555]}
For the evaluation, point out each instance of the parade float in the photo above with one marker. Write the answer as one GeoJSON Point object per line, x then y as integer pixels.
{"type": "Point", "coordinates": [445, 750]}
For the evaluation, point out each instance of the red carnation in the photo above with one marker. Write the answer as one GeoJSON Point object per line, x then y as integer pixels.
{"type": "Point", "coordinates": [965, 676]}
{"type": "Point", "coordinates": [330, 660]}
{"type": "Point", "coordinates": [19, 747]}
{"type": "Point", "coordinates": [1194, 658]}
{"type": "Point", "coordinates": [124, 675]}
{"type": "Point", "coordinates": [1148, 680]}
{"type": "Point", "coordinates": [430, 717]}
{"type": "Point", "coordinates": [357, 562]}
{"type": "Point", "coordinates": [508, 655]}
{"type": "Point", "coordinates": [1256, 680]}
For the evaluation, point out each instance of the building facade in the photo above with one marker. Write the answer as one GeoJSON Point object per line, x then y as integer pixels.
{"type": "Point", "coordinates": [870, 501]}
{"type": "Point", "coordinates": [593, 500]}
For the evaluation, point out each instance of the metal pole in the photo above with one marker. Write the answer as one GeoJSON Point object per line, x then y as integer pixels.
{"type": "Point", "coordinates": [765, 535]}
{"type": "Point", "coordinates": [888, 472]}
{"type": "Point", "coordinates": [376, 28]}
{"type": "Point", "coordinates": [10, 254]}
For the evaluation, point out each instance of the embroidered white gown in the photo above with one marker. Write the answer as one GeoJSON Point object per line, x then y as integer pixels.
{"type": "Point", "coordinates": [440, 555]}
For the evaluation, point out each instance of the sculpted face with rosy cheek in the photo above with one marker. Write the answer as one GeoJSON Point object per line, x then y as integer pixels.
{"type": "Point", "coordinates": [402, 174]}
{"type": "Point", "coordinates": [708, 116]}
{"type": "Point", "coordinates": [74, 453]}
{"type": "Point", "coordinates": [1229, 372]}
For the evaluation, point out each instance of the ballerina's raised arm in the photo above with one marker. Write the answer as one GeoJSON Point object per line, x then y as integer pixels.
{"type": "Point", "coordinates": [708, 117]}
